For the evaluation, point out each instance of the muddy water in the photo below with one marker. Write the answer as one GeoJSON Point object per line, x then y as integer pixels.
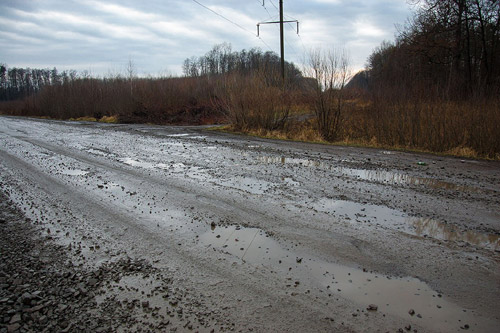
{"type": "Point", "coordinates": [368, 216]}
{"type": "Point", "coordinates": [291, 185]}
{"type": "Point", "coordinates": [137, 163]}
{"type": "Point", "coordinates": [379, 176]}
{"type": "Point", "coordinates": [358, 214]}
{"type": "Point", "coordinates": [409, 298]}
{"type": "Point", "coordinates": [439, 230]}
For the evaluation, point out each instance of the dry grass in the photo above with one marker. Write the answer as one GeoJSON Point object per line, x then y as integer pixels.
{"type": "Point", "coordinates": [464, 152]}
{"type": "Point", "coordinates": [109, 119]}
{"type": "Point", "coordinates": [92, 119]}
{"type": "Point", "coordinates": [104, 119]}
{"type": "Point", "coordinates": [469, 130]}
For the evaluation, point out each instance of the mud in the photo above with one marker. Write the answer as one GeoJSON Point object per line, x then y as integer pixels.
{"type": "Point", "coordinates": [44, 289]}
{"type": "Point", "coordinates": [393, 295]}
{"type": "Point", "coordinates": [262, 235]}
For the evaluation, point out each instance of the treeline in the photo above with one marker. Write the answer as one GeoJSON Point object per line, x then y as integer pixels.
{"type": "Point", "coordinates": [197, 98]}
{"type": "Point", "coordinates": [449, 50]}
{"type": "Point", "coordinates": [17, 83]}
{"type": "Point", "coordinates": [221, 59]}
{"type": "Point", "coordinates": [437, 86]}
{"type": "Point", "coordinates": [160, 100]}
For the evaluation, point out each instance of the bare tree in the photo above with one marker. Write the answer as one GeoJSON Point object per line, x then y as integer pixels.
{"type": "Point", "coordinates": [331, 72]}
{"type": "Point", "coordinates": [131, 73]}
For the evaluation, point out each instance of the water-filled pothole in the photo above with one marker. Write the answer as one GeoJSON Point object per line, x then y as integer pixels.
{"type": "Point", "coordinates": [366, 216]}
{"type": "Point", "coordinates": [137, 163]}
{"type": "Point", "coordinates": [408, 298]}
{"type": "Point", "coordinates": [440, 230]}
{"type": "Point", "coordinates": [178, 135]}
{"type": "Point", "coordinates": [379, 176]}
{"type": "Point", "coordinates": [246, 184]}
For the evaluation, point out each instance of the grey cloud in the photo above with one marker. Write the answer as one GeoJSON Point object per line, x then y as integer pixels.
{"type": "Point", "coordinates": [159, 34]}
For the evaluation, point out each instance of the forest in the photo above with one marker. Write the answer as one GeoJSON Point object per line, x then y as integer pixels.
{"type": "Point", "coordinates": [435, 88]}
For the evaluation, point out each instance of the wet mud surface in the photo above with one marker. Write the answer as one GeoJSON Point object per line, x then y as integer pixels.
{"type": "Point", "coordinates": [183, 228]}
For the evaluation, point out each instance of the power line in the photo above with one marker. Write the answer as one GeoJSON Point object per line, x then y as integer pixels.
{"type": "Point", "coordinates": [263, 5]}
{"type": "Point", "coordinates": [272, 3]}
{"type": "Point", "coordinates": [270, 48]}
{"type": "Point", "coordinates": [270, 16]}
{"type": "Point", "coordinates": [225, 18]}
{"type": "Point", "coordinates": [298, 35]}
{"type": "Point", "coordinates": [302, 42]}
{"type": "Point", "coordinates": [291, 27]}
{"type": "Point", "coordinates": [232, 22]}
{"type": "Point", "coordinates": [268, 13]}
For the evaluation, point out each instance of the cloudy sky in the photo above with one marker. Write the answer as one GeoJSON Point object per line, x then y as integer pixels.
{"type": "Point", "coordinates": [101, 36]}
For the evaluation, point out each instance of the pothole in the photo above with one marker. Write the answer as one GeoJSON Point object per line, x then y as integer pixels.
{"type": "Point", "coordinates": [369, 216]}
{"type": "Point", "coordinates": [379, 176]}
{"type": "Point", "coordinates": [408, 298]}
{"type": "Point", "coordinates": [442, 231]}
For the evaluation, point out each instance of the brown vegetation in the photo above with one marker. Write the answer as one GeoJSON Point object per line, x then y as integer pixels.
{"type": "Point", "coordinates": [255, 101]}
{"type": "Point", "coordinates": [436, 88]}
{"type": "Point", "coordinates": [141, 100]}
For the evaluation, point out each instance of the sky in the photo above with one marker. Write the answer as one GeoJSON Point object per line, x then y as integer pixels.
{"type": "Point", "coordinates": [156, 36]}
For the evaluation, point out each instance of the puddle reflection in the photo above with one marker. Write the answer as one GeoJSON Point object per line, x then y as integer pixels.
{"type": "Point", "coordinates": [392, 295]}
{"type": "Point", "coordinates": [439, 230]}
{"type": "Point", "coordinates": [381, 176]}
{"type": "Point", "coordinates": [366, 215]}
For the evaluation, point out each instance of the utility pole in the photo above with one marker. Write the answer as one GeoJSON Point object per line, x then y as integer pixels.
{"type": "Point", "coordinates": [282, 35]}
{"type": "Point", "coordinates": [282, 42]}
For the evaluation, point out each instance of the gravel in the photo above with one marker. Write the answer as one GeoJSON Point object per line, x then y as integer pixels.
{"type": "Point", "coordinates": [44, 289]}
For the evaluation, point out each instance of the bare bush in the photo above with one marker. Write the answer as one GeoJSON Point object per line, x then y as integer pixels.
{"type": "Point", "coordinates": [256, 100]}
{"type": "Point", "coordinates": [331, 72]}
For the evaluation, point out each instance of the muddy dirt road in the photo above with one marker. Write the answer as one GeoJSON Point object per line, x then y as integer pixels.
{"type": "Point", "coordinates": [261, 235]}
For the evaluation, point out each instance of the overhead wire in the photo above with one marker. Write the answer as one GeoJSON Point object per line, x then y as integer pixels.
{"type": "Point", "coordinates": [269, 47]}
{"type": "Point", "coordinates": [263, 5]}
{"type": "Point", "coordinates": [225, 18]}
{"type": "Point", "coordinates": [272, 3]}
{"type": "Point", "coordinates": [232, 22]}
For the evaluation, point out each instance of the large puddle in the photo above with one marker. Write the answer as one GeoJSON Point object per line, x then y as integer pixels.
{"type": "Point", "coordinates": [366, 215]}
{"type": "Point", "coordinates": [443, 231]}
{"type": "Point", "coordinates": [379, 176]}
{"type": "Point", "coordinates": [408, 298]}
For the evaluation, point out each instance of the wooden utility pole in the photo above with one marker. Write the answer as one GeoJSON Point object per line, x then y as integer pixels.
{"type": "Point", "coordinates": [282, 35]}
{"type": "Point", "coordinates": [282, 42]}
